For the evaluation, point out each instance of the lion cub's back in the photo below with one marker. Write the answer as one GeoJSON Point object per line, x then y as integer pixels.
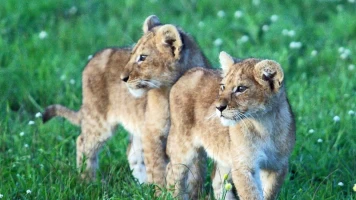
{"type": "Point", "coordinates": [101, 75]}
{"type": "Point", "coordinates": [194, 92]}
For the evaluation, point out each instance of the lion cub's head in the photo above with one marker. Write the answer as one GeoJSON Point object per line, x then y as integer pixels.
{"type": "Point", "coordinates": [156, 59]}
{"type": "Point", "coordinates": [248, 89]}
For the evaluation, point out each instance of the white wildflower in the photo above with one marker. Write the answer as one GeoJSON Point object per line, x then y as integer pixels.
{"type": "Point", "coordinates": [295, 45]}
{"type": "Point", "coordinates": [256, 2]}
{"type": "Point", "coordinates": [73, 10]}
{"type": "Point", "coordinates": [351, 67]}
{"type": "Point", "coordinates": [38, 115]}
{"type": "Point", "coordinates": [26, 145]}
{"type": "Point", "coordinates": [314, 53]}
{"type": "Point", "coordinates": [344, 56]}
{"type": "Point", "coordinates": [201, 24]}
{"type": "Point", "coordinates": [265, 27]}
{"type": "Point", "coordinates": [218, 42]}
{"type": "Point", "coordinates": [1, 196]}
{"type": "Point", "coordinates": [63, 77]}
{"type": "Point", "coordinates": [285, 32]}
{"type": "Point", "coordinates": [347, 51]}
{"type": "Point", "coordinates": [22, 134]}
{"type": "Point", "coordinates": [274, 18]}
{"type": "Point", "coordinates": [351, 112]}
{"type": "Point", "coordinates": [238, 14]}
{"type": "Point", "coordinates": [291, 33]}
{"type": "Point", "coordinates": [351, 1]}
{"type": "Point", "coordinates": [340, 184]}
{"type": "Point", "coordinates": [336, 118]}
{"type": "Point", "coordinates": [341, 49]}
{"type": "Point", "coordinates": [244, 38]}
{"type": "Point", "coordinates": [31, 123]}
{"type": "Point", "coordinates": [311, 131]}
{"type": "Point", "coordinates": [319, 140]}
{"type": "Point", "coordinates": [28, 191]}
{"type": "Point", "coordinates": [344, 53]}
{"type": "Point", "coordinates": [221, 13]}
{"type": "Point", "coordinates": [339, 8]}
{"type": "Point", "coordinates": [90, 57]}
{"type": "Point", "coordinates": [72, 81]}
{"type": "Point", "coordinates": [42, 35]}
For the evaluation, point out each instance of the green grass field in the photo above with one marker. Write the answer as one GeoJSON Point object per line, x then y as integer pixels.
{"type": "Point", "coordinates": [44, 46]}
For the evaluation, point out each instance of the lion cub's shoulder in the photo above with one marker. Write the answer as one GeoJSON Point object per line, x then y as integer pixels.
{"type": "Point", "coordinates": [197, 77]}
{"type": "Point", "coordinates": [113, 57]}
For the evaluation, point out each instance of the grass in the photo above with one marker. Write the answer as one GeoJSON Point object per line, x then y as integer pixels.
{"type": "Point", "coordinates": [35, 73]}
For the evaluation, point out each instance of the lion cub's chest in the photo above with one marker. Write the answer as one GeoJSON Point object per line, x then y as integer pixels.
{"type": "Point", "coordinates": [254, 142]}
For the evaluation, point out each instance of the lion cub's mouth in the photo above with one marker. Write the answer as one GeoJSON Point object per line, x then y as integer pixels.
{"type": "Point", "coordinates": [136, 85]}
{"type": "Point", "coordinates": [227, 121]}
{"type": "Point", "coordinates": [141, 86]}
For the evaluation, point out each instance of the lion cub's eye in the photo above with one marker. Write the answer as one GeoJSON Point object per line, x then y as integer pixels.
{"type": "Point", "coordinates": [240, 89]}
{"type": "Point", "coordinates": [141, 58]}
{"type": "Point", "coordinates": [222, 87]}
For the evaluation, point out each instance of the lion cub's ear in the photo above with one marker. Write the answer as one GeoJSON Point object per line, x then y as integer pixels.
{"type": "Point", "coordinates": [226, 61]}
{"type": "Point", "coordinates": [269, 73]}
{"type": "Point", "coordinates": [168, 38]}
{"type": "Point", "coordinates": [150, 22]}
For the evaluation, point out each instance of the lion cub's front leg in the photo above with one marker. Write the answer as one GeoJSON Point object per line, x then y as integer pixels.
{"type": "Point", "coordinates": [136, 158]}
{"type": "Point", "coordinates": [154, 136]}
{"type": "Point", "coordinates": [272, 182]}
{"type": "Point", "coordinates": [218, 175]}
{"type": "Point", "coordinates": [249, 187]}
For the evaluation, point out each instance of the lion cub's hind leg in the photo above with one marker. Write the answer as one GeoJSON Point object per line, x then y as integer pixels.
{"type": "Point", "coordinates": [197, 174]}
{"type": "Point", "coordinates": [95, 132]}
{"type": "Point", "coordinates": [181, 153]}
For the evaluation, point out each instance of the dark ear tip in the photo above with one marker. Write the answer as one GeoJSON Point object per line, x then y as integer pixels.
{"type": "Point", "coordinates": [268, 76]}
{"type": "Point", "coordinates": [264, 77]}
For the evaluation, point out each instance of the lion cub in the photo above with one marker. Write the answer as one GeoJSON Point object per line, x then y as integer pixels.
{"type": "Point", "coordinates": [258, 132]}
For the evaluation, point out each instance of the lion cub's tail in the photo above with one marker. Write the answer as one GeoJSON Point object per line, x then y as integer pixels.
{"type": "Point", "coordinates": [61, 111]}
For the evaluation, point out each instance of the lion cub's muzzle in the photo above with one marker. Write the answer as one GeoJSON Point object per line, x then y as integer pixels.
{"type": "Point", "coordinates": [125, 76]}
{"type": "Point", "coordinates": [221, 105]}
{"type": "Point", "coordinates": [136, 88]}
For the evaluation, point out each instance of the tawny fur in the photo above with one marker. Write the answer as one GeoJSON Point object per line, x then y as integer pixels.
{"type": "Point", "coordinates": [256, 145]}
{"type": "Point", "coordinates": [159, 58]}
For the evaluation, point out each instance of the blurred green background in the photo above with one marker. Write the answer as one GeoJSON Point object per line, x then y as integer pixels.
{"type": "Point", "coordinates": [45, 44]}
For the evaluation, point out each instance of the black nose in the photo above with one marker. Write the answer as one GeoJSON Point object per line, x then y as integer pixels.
{"type": "Point", "coordinates": [221, 107]}
{"type": "Point", "coordinates": [125, 79]}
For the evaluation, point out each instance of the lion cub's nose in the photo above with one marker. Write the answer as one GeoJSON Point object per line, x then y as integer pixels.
{"type": "Point", "coordinates": [221, 107]}
{"type": "Point", "coordinates": [125, 78]}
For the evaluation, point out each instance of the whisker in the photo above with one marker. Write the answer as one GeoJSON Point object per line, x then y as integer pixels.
{"type": "Point", "coordinates": [150, 83]}
{"type": "Point", "coordinates": [240, 118]}
{"type": "Point", "coordinates": [211, 116]}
